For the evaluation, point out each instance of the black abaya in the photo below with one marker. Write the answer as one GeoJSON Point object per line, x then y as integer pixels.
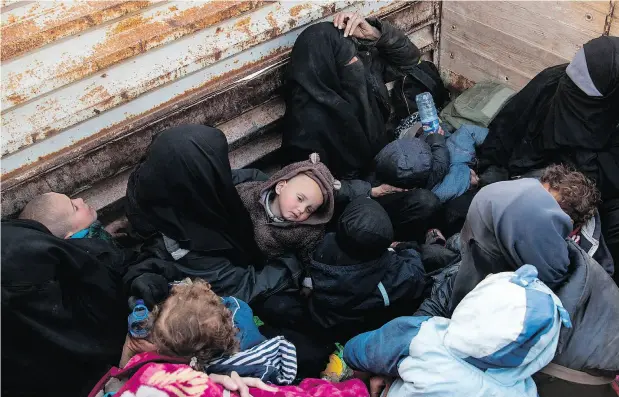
{"type": "Point", "coordinates": [338, 107]}
{"type": "Point", "coordinates": [555, 119]}
{"type": "Point", "coordinates": [63, 310]}
{"type": "Point", "coordinates": [183, 189]}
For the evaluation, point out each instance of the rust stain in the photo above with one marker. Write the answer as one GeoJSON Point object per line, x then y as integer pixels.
{"type": "Point", "coordinates": [296, 10]}
{"type": "Point", "coordinates": [138, 36]}
{"type": "Point", "coordinates": [243, 25]}
{"type": "Point", "coordinates": [328, 9]}
{"type": "Point", "coordinates": [458, 82]}
{"type": "Point", "coordinates": [128, 24]}
{"type": "Point", "coordinates": [98, 92]}
{"type": "Point", "coordinates": [272, 21]}
{"type": "Point", "coordinates": [12, 178]}
{"type": "Point", "coordinates": [23, 36]}
{"type": "Point", "coordinates": [16, 99]}
{"type": "Point", "coordinates": [173, 8]}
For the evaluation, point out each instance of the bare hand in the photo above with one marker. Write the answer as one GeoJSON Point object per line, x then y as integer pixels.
{"type": "Point", "coordinates": [385, 189]}
{"type": "Point", "coordinates": [134, 346]}
{"type": "Point", "coordinates": [440, 131]}
{"type": "Point", "coordinates": [241, 385]}
{"type": "Point", "coordinates": [355, 25]}
{"type": "Point", "coordinates": [115, 227]}
{"type": "Point", "coordinates": [474, 179]}
{"type": "Point", "coordinates": [380, 384]}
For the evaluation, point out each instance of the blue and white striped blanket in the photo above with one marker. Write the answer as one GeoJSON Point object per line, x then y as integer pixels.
{"type": "Point", "coordinates": [274, 361]}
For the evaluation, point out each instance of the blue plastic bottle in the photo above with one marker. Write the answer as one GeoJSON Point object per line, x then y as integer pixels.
{"type": "Point", "coordinates": [427, 113]}
{"type": "Point", "coordinates": [138, 320]}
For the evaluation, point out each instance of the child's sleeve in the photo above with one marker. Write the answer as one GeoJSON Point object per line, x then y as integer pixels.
{"type": "Point", "coordinates": [381, 351]}
{"type": "Point", "coordinates": [440, 159]}
{"type": "Point", "coordinates": [352, 189]}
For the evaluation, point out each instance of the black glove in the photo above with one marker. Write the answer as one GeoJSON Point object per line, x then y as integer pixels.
{"type": "Point", "coordinates": [150, 287]}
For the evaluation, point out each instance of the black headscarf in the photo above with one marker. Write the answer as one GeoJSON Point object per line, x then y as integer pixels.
{"type": "Point", "coordinates": [567, 114]}
{"type": "Point", "coordinates": [583, 113]}
{"type": "Point", "coordinates": [183, 189]}
{"type": "Point", "coordinates": [63, 310]}
{"type": "Point", "coordinates": [331, 107]}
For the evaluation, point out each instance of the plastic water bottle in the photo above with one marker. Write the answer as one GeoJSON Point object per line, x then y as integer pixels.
{"type": "Point", "coordinates": [427, 113]}
{"type": "Point", "coordinates": [138, 320]}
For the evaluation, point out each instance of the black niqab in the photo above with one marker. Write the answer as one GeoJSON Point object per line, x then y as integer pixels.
{"type": "Point", "coordinates": [183, 189]}
{"type": "Point", "coordinates": [577, 120]}
{"type": "Point", "coordinates": [552, 120]}
{"type": "Point", "coordinates": [331, 107]}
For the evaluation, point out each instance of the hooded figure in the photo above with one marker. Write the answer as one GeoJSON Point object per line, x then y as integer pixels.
{"type": "Point", "coordinates": [275, 237]}
{"type": "Point", "coordinates": [501, 333]}
{"type": "Point", "coordinates": [566, 114]}
{"type": "Point", "coordinates": [337, 102]}
{"type": "Point", "coordinates": [183, 193]}
{"type": "Point", "coordinates": [513, 223]}
{"type": "Point", "coordinates": [358, 283]}
{"type": "Point", "coordinates": [413, 162]}
{"type": "Point", "coordinates": [63, 310]}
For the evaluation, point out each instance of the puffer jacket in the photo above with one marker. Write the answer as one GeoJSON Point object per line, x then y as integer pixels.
{"type": "Point", "coordinates": [358, 283]}
{"type": "Point", "coordinates": [413, 162]}
{"type": "Point", "coordinates": [469, 355]}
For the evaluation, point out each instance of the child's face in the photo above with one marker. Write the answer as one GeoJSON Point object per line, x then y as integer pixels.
{"type": "Point", "coordinates": [79, 214]}
{"type": "Point", "coordinates": [298, 198]}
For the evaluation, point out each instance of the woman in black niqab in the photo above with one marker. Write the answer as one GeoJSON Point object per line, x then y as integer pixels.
{"type": "Point", "coordinates": [183, 189]}
{"type": "Point", "coordinates": [566, 114]}
{"type": "Point", "coordinates": [336, 100]}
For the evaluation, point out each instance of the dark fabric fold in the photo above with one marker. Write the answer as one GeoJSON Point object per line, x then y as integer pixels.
{"type": "Point", "coordinates": [337, 108]}
{"type": "Point", "coordinates": [183, 189]}
{"type": "Point", "coordinates": [63, 310]}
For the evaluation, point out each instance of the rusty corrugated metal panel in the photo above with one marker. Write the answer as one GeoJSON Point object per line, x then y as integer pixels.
{"type": "Point", "coordinates": [55, 105]}
{"type": "Point", "coordinates": [34, 25]}
{"type": "Point", "coordinates": [106, 143]}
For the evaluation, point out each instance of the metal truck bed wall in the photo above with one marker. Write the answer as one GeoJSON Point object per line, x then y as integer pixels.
{"type": "Point", "coordinates": [85, 85]}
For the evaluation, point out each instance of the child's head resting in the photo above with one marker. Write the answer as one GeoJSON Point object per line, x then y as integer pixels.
{"type": "Point", "coordinates": [304, 192]}
{"type": "Point", "coordinates": [60, 214]}
{"type": "Point", "coordinates": [364, 231]}
{"type": "Point", "coordinates": [297, 198]}
{"type": "Point", "coordinates": [193, 322]}
{"type": "Point", "coordinates": [576, 194]}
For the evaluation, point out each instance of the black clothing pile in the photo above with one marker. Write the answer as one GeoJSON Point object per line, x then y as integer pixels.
{"type": "Point", "coordinates": [63, 310]}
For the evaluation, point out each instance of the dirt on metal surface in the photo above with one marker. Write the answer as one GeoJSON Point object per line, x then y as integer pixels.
{"type": "Point", "coordinates": [136, 35]}
{"type": "Point", "coordinates": [219, 112]}
{"type": "Point", "coordinates": [28, 33]}
{"type": "Point", "coordinates": [119, 147]}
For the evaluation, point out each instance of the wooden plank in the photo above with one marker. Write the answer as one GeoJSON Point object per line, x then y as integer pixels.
{"type": "Point", "coordinates": [520, 21]}
{"type": "Point", "coordinates": [587, 16]}
{"type": "Point", "coordinates": [423, 37]}
{"type": "Point", "coordinates": [466, 62]}
{"type": "Point", "coordinates": [490, 43]}
{"type": "Point", "coordinates": [614, 24]}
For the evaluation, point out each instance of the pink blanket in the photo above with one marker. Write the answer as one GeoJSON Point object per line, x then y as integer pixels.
{"type": "Point", "coordinates": [150, 375]}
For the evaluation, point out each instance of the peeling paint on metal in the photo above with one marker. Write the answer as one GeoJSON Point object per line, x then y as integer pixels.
{"type": "Point", "coordinates": [23, 32]}
{"type": "Point", "coordinates": [115, 43]}
{"type": "Point", "coordinates": [87, 114]}
{"type": "Point", "coordinates": [155, 68]}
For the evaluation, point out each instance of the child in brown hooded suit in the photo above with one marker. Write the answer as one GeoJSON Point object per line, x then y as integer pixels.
{"type": "Point", "coordinates": [290, 210]}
